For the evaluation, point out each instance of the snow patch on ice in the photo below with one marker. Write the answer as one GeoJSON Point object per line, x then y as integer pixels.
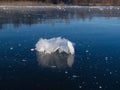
{"type": "Point", "coordinates": [55, 44]}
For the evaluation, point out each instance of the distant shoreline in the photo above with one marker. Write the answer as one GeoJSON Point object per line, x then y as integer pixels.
{"type": "Point", "coordinates": [35, 3]}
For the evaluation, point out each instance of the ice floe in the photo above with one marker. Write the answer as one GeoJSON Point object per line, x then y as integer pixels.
{"type": "Point", "coordinates": [52, 45]}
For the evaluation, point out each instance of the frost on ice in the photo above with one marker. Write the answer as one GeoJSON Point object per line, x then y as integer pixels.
{"type": "Point", "coordinates": [53, 45]}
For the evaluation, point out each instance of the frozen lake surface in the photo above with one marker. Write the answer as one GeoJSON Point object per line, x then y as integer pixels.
{"type": "Point", "coordinates": [94, 32]}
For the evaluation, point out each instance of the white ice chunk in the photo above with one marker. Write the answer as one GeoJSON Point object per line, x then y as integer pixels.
{"type": "Point", "coordinates": [55, 44]}
{"type": "Point", "coordinates": [31, 49]}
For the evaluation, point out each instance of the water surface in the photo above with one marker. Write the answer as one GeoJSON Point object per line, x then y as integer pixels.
{"type": "Point", "coordinates": [95, 31]}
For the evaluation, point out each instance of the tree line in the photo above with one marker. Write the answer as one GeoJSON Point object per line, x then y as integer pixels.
{"type": "Point", "coordinates": [76, 2]}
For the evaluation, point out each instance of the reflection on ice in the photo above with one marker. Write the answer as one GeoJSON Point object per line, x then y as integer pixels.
{"type": "Point", "coordinates": [29, 15]}
{"type": "Point", "coordinates": [55, 60]}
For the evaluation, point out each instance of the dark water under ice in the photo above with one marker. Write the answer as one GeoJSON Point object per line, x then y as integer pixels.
{"type": "Point", "coordinates": [94, 31]}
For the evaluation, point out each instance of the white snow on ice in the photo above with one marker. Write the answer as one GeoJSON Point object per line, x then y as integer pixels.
{"type": "Point", "coordinates": [58, 7]}
{"type": "Point", "coordinates": [55, 44]}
